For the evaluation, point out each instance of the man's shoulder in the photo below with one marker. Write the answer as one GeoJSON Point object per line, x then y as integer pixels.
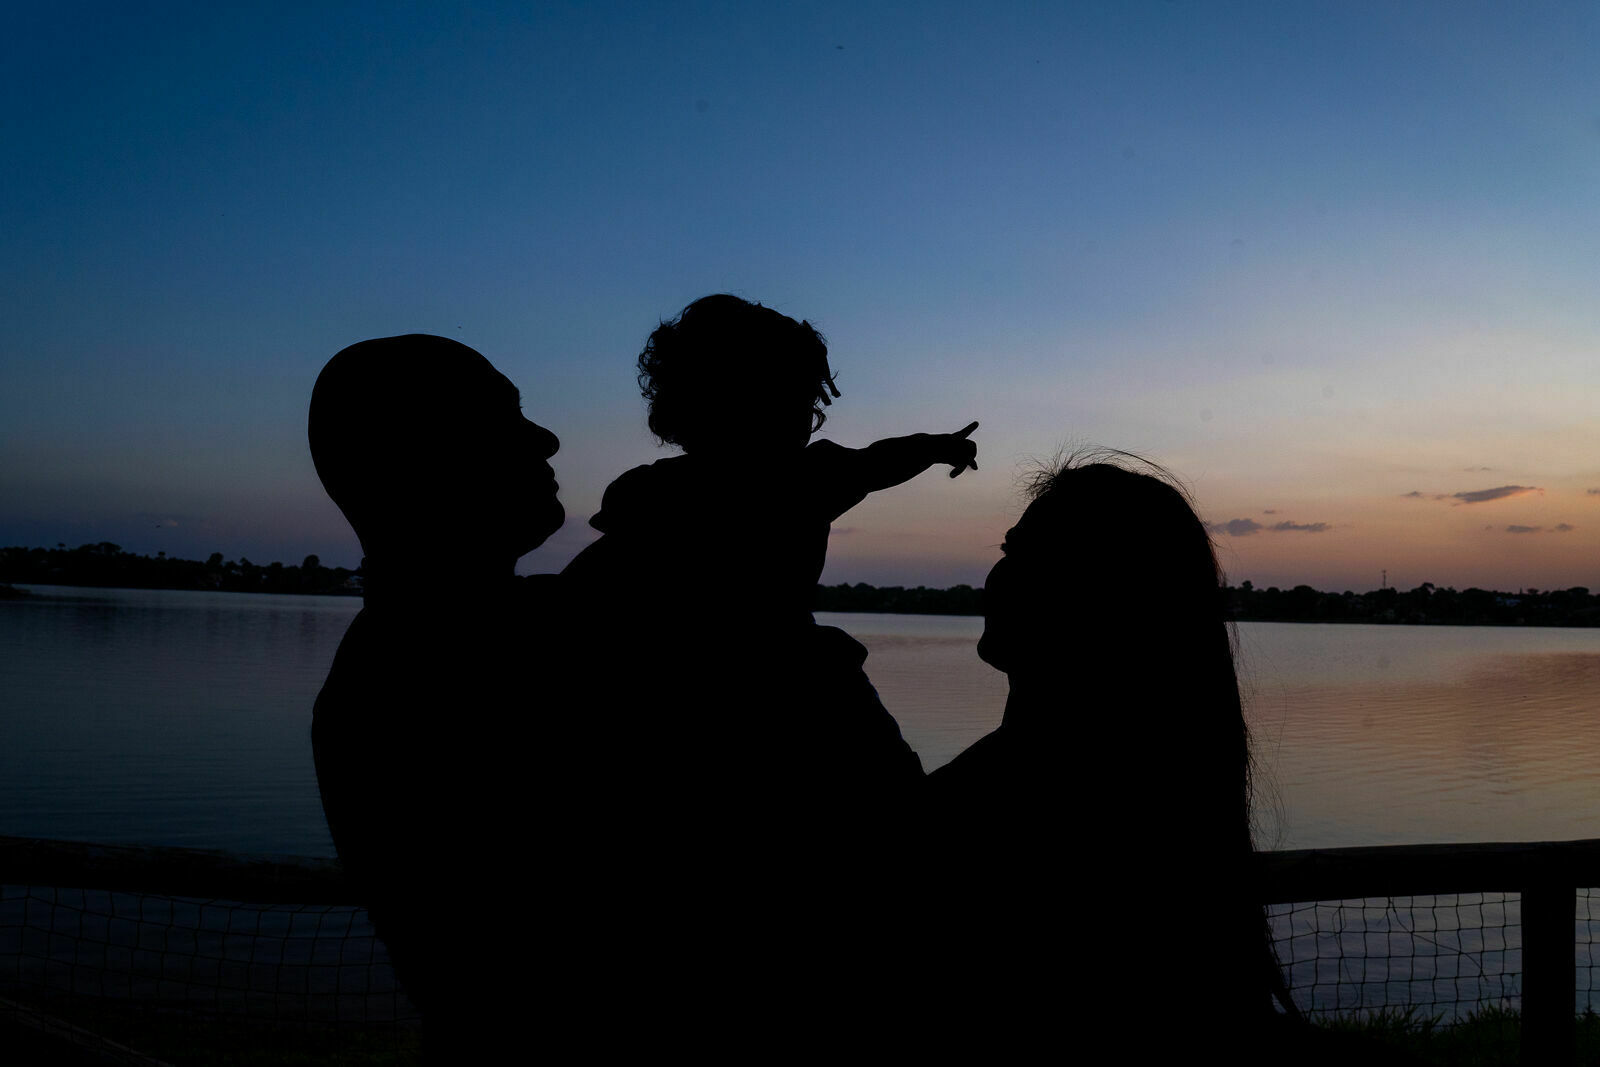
{"type": "Point", "coordinates": [532, 589]}
{"type": "Point", "coordinates": [349, 675]}
{"type": "Point", "coordinates": [541, 604]}
{"type": "Point", "coordinates": [985, 763]}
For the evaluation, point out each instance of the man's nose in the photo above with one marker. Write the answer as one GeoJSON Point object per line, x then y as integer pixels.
{"type": "Point", "coordinates": [547, 443]}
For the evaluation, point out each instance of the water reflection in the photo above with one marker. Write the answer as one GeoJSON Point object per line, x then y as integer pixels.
{"type": "Point", "coordinates": [1465, 734]}
{"type": "Point", "coordinates": [164, 717]}
{"type": "Point", "coordinates": [181, 718]}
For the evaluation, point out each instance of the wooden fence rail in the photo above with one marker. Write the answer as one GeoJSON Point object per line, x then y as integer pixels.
{"type": "Point", "coordinates": [1547, 875]}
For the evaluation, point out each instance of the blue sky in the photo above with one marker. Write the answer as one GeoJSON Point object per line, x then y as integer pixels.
{"type": "Point", "coordinates": [1312, 258]}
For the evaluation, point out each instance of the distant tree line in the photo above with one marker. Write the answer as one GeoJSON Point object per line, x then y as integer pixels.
{"type": "Point", "coordinates": [107, 565]}
{"type": "Point", "coordinates": [1426, 604]}
{"type": "Point", "coordinates": [898, 600]}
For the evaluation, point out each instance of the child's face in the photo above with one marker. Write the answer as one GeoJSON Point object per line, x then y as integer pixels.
{"type": "Point", "coordinates": [795, 430]}
{"type": "Point", "coordinates": [802, 423]}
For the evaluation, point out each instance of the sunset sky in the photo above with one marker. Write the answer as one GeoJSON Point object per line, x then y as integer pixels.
{"type": "Point", "coordinates": [1335, 265]}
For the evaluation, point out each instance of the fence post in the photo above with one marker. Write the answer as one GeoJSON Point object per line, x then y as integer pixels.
{"type": "Point", "coordinates": [1549, 917]}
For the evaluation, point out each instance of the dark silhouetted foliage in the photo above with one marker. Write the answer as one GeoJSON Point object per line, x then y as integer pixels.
{"type": "Point", "coordinates": [898, 600]}
{"type": "Point", "coordinates": [108, 566]}
{"type": "Point", "coordinates": [1427, 604]}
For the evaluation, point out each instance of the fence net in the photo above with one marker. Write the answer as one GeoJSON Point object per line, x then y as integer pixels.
{"type": "Point", "coordinates": [1588, 993]}
{"type": "Point", "coordinates": [1444, 956]}
{"type": "Point", "coordinates": [197, 980]}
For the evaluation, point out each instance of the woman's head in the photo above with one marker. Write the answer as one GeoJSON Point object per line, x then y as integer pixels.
{"type": "Point", "coordinates": [1107, 610]}
{"type": "Point", "coordinates": [1108, 557]}
{"type": "Point", "coordinates": [729, 372]}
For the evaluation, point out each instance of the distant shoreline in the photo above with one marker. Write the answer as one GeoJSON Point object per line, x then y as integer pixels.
{"type": "Point", "coordinates": [106, 566]}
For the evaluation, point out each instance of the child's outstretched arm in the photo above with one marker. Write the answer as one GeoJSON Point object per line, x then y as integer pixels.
{"type": "Point", "coordinates": [899, 459]}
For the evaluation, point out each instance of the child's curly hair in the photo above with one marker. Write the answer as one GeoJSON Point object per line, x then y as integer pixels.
{"type": "Point", "coordinates": [725, 351]}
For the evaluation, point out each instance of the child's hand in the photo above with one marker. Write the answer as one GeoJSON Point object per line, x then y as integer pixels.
{"type": "Point", "coordinates": [956, 450]}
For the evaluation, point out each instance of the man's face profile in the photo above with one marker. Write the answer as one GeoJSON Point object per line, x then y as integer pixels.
{"type": "Point", "coordinates": [529, 482]}
{"type": "Point", "coordinates": [420, 440]}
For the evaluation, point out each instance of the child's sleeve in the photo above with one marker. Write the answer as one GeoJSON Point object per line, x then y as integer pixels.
{"type": "Point", "coordinates": [887, 463]}
{"type": "Point", "coordinates": [844, 476]}
{"type": "Point", "coordinates": [831, 476]}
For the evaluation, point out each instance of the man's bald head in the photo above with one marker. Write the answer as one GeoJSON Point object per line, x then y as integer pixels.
{"type": "Point", "coordinates": [419, 439]}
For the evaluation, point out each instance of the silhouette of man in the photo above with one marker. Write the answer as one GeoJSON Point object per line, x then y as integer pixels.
{"type": "Point", "coordinates": [421, 732]}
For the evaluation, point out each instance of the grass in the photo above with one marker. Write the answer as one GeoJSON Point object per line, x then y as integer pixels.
{"type": "Point", "coordinates": [1488, 1037]}
{"type": "Point", "coordinates": [1491, 1036]}
{"type": "Point", "coordinates": [182, 1038]}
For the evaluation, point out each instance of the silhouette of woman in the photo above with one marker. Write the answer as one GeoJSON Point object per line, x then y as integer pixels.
{"type": "Point", "coordinates": [1103, 831]}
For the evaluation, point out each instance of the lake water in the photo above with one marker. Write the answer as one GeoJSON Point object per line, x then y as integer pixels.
{"type": "Point", "coordinates": [182, 718]}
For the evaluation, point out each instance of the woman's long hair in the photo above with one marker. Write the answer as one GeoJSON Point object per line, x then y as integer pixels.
{"type": "Point", "coordinates": [1117, 565]}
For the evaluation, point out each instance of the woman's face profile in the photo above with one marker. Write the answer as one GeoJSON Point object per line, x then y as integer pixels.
{"type": "Point", "coordinates": [997, 646]}
{"type": "Point", "coordinates": [1027, 597]}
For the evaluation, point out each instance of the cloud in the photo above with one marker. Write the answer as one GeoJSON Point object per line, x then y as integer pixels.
{"type": "Point", "coordinates": [1269, 511]}
{"type": "Point", "coordinates": [1593, 492]}
{"type": "Point", "coordinates": [1523, 529]}
{"type": "Point", "coordinates": [1479, 496]}
{"type": "Point", "coordinates": [1418, 494]}
{"type": "Point", "coordinates": [841, 531]}
{"type": "Point", "coordinates": [1475, 470]}
{"type": "Point", "coordinates": [1564, 527]}
{"type": "Point", "coordinates": [1235, 527]}
{"type": "Point", "coordinates": [1246, 527]}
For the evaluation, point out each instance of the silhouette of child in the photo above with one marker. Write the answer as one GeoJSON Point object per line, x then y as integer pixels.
{"type": "Point", "coordinates": [741, 388]}
{"type": "Point", "coordinates": [750, 766]}
{"type": "Point", "coordinates": [708, 568]}
{"type": "Point", "coordinates": [710, 559]}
